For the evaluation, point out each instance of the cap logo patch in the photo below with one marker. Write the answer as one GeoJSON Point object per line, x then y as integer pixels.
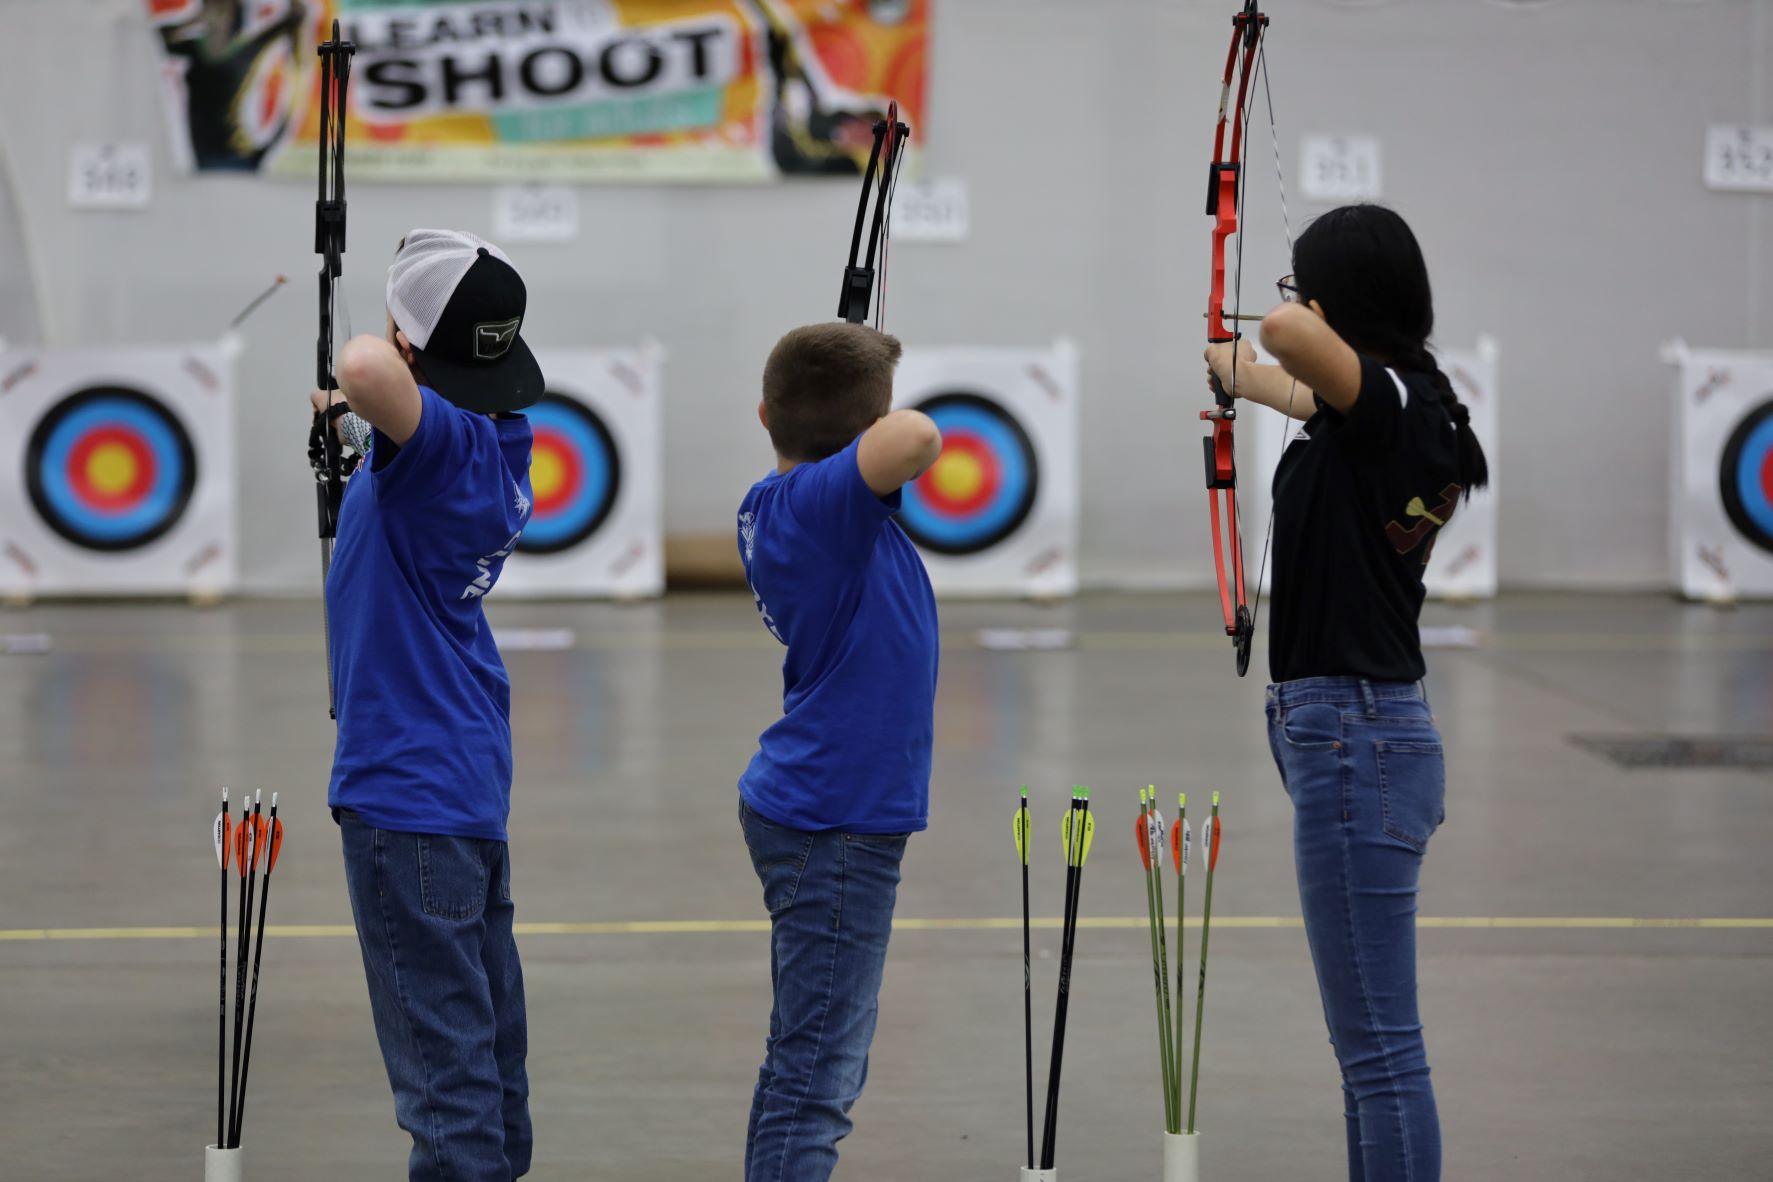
{"type": "Point", "coordinates": [492, 339]}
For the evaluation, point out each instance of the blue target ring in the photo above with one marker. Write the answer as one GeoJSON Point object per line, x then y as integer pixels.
{"type": "Point", "coordinates": [110, 468]}
{"type": "Point", "coordinates": [1745, 477]}
{"type": "Point", "coordinates": [575, 474]}
{"type": "Point", "coordinates": [983, 486]}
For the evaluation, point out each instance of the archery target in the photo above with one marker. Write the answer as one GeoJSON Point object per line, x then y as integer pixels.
{"type": "Point", "coordinates": [982, 487]}
{"type": "Point", "coordinates": [123, 470]}
{"type": "Point", "coordinates": [997, 512]}
{"type": "Point", "coordinates": [110, 468]}
{"type": "Point", "coordinates": [1721, 519]}
{"type": "Point", "coordinates": [575, 473]}
{"type": "Point", "coordinates": [597, 523]}
{"type": "Point", "coordinates": [1745, 477]}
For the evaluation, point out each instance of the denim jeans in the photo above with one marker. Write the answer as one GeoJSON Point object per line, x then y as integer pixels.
{"type": "Point", "coordinates": [434, 922]}
{"type": "Point", "coordinates": [1363, 765]}
{"type": "Point", "coordinates": [830, 897]}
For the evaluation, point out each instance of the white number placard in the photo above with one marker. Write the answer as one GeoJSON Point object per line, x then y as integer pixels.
{"type": "Point", "coordinates": [1338, 168]}
{"type": "Point", "coordinates": [535, 213]}
{"type": "Point", "coordinates": [1739, 158]}
{"type": "Point", "coordinates": [931, 210]}
{"type": "Point", "coordinates": [110, 176]}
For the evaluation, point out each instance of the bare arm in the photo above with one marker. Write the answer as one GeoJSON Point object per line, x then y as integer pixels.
{"type": "Point", "coordinates": [380, 387]}
{"type": "Point", "coordinates": [897, 450]}
{"type": "Point", "coordinates": [1309, 349]}
{"type": "Point", "coordinates": [1265, 385]}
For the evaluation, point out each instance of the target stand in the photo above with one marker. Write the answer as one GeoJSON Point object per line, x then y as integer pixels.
{"type": "Point", "coordinates": [595, 472]}
{"type": "Point", "coordinates": [120, 471]}
{"type": "Point", "coordinates": [1720, 542]}
{"type": "Point", "coordinates": [997, 514]}
{"type": "Point", "coordinates": [1463, 565]}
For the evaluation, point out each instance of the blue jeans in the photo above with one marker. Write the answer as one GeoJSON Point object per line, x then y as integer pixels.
{"type": "Point", "coordinates": [434, 923]}
{"type": "Point", "coordinates": [1362, 763]}
{"type": "Point", "coordinates": [830, 897]}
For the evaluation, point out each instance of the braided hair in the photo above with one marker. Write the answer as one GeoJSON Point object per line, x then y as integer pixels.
{"type": "Point", "coordinates": [1364, 267]}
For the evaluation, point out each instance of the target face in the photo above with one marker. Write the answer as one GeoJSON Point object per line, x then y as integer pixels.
{"type": "Point", "coordinates": [982, 487]}
{"type": "Point", "coordinates": [110, 468]}
{"type": "Point", "coordinates": [1745, 477]}
{"type": "Point", "coordinates": [575, 474]}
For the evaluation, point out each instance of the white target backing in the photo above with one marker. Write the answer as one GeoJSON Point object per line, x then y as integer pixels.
{"type": "Point", "coordinates": [998, 513]}
{"type": "Point", "coordinates": [1721, 474]}
{"type": "Point", "coordinates": [595, 474]}
{"type": "Point", "coordinates": [120, 471]}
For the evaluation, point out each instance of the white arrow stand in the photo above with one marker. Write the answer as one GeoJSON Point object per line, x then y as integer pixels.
{"type": "Point", "coordinates": [1181, 1157]}
{"type": "Point", "coordinates": [221, 1165]}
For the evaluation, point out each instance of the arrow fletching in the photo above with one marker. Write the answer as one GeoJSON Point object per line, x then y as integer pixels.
{"type": "Point", "coordinates": [1142, 831]}
{"type": "Point", "coordinates": [1217, 826]}
{"type": "Point", "coordinates": [224, 833]}
{"type": "Point", "coordinates": [243, 844]}
{"type": "Point", "coordinates": [1089, 830]}
{"type": "Point", "coordinates": [276, 844]}
{"type": "Point", "coordinates": [1020, 825]}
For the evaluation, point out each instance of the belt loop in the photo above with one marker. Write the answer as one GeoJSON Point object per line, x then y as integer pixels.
{"type": "Point", "coordinates": [1367, 696]}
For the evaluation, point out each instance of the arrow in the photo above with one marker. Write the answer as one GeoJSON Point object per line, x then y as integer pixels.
{"type": "Point", "coordinates": [1210, 833]}
{"type": "Point", "coordinates": [1021, 828]}
{"type": "Point", "coordinates": [1077, 833]}
{"type": "Point", "coordinates": [224, 838]}
{"type": "Point", "coordinates": [246, 859]}
{"type": "Point", "coordinates": [1181, 838]}
{"type": "Point", "coordinates": [270, 836]}
{"type": "Point", "coordinates": [1149, 834]}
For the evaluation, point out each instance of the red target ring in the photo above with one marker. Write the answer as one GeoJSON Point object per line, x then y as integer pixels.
{"type": "Point", "coordinates": [964, 479]}
{"type": "Point", "coordinates": [112, 469]}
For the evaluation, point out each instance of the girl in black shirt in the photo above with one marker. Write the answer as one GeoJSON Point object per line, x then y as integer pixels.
{"type": "Point", "coordinates": [1384, 459]}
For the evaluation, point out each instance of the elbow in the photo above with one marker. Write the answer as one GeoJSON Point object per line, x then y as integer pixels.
{"type": "Point", "coordinates": [927, 443]}
{"type": "Point", "coordinates": [1281, 332]}
{"type": "Point", "coordinates": [359, 361]}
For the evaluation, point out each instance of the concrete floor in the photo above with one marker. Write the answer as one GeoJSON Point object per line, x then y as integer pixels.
{"type": "Point", "coordinates": [1561, 1052]}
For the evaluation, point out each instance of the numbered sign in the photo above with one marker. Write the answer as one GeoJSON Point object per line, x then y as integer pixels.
{"type": "Point", "coordinates": [110, 176]}
{"type": "Point", "coordinates": [932, 210]}
{"type": "Point", "coordinates": [1739, 158]}
{"type": "Point", "coordinates": [535, 213]}
{"type": "Point", "coordinates": [1336, 169]}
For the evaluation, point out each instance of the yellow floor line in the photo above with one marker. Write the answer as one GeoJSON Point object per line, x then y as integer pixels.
{"type": "Point", "coordinates": [703, 927]}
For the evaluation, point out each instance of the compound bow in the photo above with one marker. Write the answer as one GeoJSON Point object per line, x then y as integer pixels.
{"type": "Point", "coordinates": [1225, 205]}
{"type": "Point", "coordinates": [859, 285]}
{"type": "Point", "coordinates": [325, 452]}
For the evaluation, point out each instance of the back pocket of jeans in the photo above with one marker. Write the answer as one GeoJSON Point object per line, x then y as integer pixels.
{"type": "Point", "coordinates": [1412, 790]}
{"type": "Point", "coordinates": [452, 876]}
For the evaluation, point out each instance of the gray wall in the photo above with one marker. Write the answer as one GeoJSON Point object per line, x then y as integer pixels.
{"type": "Point", "coordinates": [1548, 155]}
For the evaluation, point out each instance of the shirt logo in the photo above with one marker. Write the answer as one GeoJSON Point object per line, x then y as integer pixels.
{"type": "Point", "coordinates": [1428, 522]}
{"type": "Point", "coordinates": [748, 534]}
{"type": "Point", "coordinates": [492, 339]}
{"type": "Point", "coordinates": [522, 502]}
{"type": "Point", "coordinates": [483, 578]}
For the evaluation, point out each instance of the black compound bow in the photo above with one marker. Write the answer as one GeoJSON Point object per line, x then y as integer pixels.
{"type": "Point", "coordinates": [859, 284]}
{"type": "Point", "coordinates": [325, 452]}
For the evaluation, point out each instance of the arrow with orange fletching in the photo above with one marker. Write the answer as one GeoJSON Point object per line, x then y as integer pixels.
{"type": "Point", "coordinates": [270, 839]}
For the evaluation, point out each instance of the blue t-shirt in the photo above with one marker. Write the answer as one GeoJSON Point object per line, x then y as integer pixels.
{"type": "Point", "coordinates": [839, 583]}
{"type": "Point", "coordinates": [424, 705]}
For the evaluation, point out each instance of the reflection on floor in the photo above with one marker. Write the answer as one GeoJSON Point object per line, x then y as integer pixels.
{"type": "Point", "coordinates": [1560, 1051]}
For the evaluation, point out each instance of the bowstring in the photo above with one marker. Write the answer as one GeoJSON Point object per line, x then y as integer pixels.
{"type": "Point", "coordinates": [1292, 391]}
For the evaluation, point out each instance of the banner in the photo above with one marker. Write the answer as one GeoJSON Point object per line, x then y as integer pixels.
{"type": "Point", "coordinates": [1721, 474]}
{"type": "Point", "coordinates": [562, 90]}
{"type": "Point", "coordinates": [123, 471]}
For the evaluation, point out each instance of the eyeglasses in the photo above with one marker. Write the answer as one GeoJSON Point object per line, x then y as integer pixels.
{"type": "Point", "coordinates": [1289, 291]}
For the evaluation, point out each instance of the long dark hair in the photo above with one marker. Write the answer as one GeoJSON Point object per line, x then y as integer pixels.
{"type": "Point", "coordinates": [1364, 266]}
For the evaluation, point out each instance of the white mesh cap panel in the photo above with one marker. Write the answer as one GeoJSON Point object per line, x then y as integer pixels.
{"type": "Point", "coordinates": [424, 275]}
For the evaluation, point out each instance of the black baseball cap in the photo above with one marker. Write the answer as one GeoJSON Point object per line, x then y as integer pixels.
{"type": "Point", "coordinates": [460, 303]}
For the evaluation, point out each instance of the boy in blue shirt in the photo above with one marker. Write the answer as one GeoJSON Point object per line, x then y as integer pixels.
{"type": "Point", "coordinates": [421, 780]}
{"type": "Point", "coordinates": [842, 779]}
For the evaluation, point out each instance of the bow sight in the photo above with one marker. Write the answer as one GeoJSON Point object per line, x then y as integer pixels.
{"type": "Point", "coordinates": [890, 137]}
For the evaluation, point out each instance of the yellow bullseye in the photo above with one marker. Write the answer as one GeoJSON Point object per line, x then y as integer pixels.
{"type": "Point", "coordinates": [547, 475]}
{"type": "Point", "coordinates": [111, 469]}
{"type": "Point", "coordinates": [957, 475]}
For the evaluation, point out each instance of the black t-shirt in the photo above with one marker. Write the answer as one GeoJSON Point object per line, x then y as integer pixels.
{"type": "Point", "coordinates": [1358, 503]}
